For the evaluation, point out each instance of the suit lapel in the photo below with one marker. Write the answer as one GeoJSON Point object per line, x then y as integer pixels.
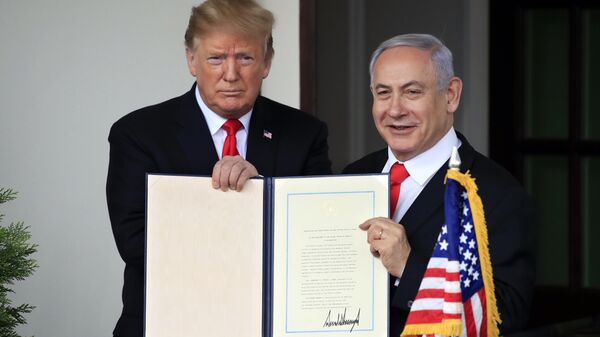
{"type": "Point", "coordinates": [263, 138]}
{"type": "Point", "coordinates": [194, 137]}
{"type": "Point", "coordinates": [427, 204]}
{"type": "Point", "coordinates": [379, 162]}
{"type": "Point", "coordinates": [431, 199]}
{"type": "Point", "coordinates": [466, 153]}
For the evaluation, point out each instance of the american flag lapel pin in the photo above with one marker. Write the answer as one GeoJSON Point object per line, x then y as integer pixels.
{"type": "Point", "coordinates": [267, 134]}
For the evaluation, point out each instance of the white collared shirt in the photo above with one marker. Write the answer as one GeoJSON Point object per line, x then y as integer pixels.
{"type": "Point", "coordinates": [421, 169]}
{"type": "Point", "coordinates": [215, 122]}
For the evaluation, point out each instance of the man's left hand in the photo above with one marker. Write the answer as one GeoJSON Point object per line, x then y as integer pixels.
{"type": "Point", "coordinates": [388, 242]}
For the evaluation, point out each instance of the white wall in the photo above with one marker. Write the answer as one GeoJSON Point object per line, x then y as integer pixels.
{"type": "Point", "coordinates": [283, 84]}
{"type": "Point", "coordinates": [68, 70]}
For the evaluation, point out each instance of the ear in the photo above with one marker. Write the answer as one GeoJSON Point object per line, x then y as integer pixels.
{"type": "Point", "coordinates": [189, 55]}
{"type": "Point", "coordinates": [453, 92]}
{"type": "Point", "coordinates": [266, 67]}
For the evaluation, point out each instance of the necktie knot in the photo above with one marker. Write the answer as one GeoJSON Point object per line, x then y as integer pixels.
{"type": "Point", "coordinates": [397, 175]}
{"type": "Point", "coordinates": [231, 126]}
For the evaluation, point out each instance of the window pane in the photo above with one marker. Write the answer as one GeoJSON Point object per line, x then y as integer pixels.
{"type": "Point", "coordinates": [591, 73]}
{"type": "Point", "coordinates": [547, 182]}
{"type": "Point", "coordinates": [546, 73]}
{"type": "Point", "coordinates": [591, 222]}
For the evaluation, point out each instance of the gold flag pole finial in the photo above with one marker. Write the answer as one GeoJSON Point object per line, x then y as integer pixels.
{"type": "Point", "coordinates": [454, 162]}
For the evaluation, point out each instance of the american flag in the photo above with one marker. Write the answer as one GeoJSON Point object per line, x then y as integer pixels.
{"type": "Point", "coordinates": [456, 296]}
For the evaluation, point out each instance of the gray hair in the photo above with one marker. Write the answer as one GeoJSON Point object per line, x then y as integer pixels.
{"type": "Point", "coordinates": [441, 56]}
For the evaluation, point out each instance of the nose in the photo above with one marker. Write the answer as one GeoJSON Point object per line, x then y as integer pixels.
{"type": "Point", "coordinates": [230, 71]}
{"type": "Point", "coordinates": [396, 108]}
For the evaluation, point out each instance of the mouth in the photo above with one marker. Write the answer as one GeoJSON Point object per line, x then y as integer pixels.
{"type": "Point", "coordinates": [231, 93]}
{"type": "Point", "coordinates": [401, 128]}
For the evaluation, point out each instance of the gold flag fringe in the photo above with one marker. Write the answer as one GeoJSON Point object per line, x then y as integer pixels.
{"type": "Point", "coordinates": [493, 316]}
{"type": "Point", "coordinates": [448, 327]}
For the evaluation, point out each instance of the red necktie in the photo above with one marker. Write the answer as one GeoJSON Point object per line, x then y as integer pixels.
{"type": "Point", "coordinates": [397, 175]}
{"type": "Point", "coordinates": [231, 127]}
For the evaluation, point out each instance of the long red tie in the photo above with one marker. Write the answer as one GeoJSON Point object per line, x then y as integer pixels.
{"type": "Point", "coordinates": [230, 146]}
{"type": "Point", "coordinates": [397, 175]}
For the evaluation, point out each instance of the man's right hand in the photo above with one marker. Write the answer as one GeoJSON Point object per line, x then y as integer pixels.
{"type": "Point", "coordinates": [232, 172]}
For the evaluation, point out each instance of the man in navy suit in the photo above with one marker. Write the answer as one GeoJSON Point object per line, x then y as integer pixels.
{"type": "Point", "coordinates": [229, 50]}
{"type": "Point", "coordinates": [415, 95]}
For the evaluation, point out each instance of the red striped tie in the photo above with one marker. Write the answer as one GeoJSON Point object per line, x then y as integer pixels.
{"type": "Point", "coordinates": [230, 147]}
{"type": "Point", "coordinates": [397, 175]}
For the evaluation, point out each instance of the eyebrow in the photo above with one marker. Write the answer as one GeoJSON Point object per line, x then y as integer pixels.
{"type": "Point", "coordinates": [404, 86]}
{"type": "Point", "coordinates": [382, 86]}
{"type": "Point", "coordinates": [411, 83]}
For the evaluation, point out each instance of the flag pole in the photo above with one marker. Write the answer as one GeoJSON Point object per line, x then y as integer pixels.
{"type": "Point", "coordinates": [454, 162]}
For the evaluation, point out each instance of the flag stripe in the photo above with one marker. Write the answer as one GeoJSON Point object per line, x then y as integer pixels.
{"type": "Point", "coordinates": [432, 283]}
{"type": "Point", "coordinates": [435, 272]}
{"type": "Point", "coordinates": [437, 262]}
{"type": "Point", "coordinates": [469, 321]}
{"type": "Point", "coordinates": [483, 324]}
{"type": "Point", "coordinates": [439, 293]}
{"type": "Point", "coordinates": [453, 316]}
{"type": "Point", "coordinates": [452, 287]}
{"type": "Point", "coordinates": [452, 307]}
{"type": "Point", "coordinates": [427, 304]}
{"type": "Point", "coordinates": [424, 316]}
{"type": "Point", "coordinates": [430, 293]}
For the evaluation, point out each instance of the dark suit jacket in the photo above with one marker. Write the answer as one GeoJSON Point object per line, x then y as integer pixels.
{"type": "Point", "coordinates": [508, 212]}
{"type": "Point", "coordinates": [173, 137]}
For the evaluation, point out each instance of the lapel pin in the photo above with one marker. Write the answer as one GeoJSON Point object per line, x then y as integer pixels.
{"type": "Point", "coordinates": [267, 134]}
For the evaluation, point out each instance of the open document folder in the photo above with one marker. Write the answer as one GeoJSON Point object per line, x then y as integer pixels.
{"type": "Point", "coordinates": [283, 257]}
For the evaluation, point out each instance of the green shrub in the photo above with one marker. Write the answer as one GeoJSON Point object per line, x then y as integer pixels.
{"type": "Point", "coordinates": [15, 265]}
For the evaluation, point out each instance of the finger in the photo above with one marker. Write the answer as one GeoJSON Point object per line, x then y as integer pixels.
{"type": "Point", "coordinates": [238, 176]}
{"type": "Point", "coordinates": [235, 175]}
{"type": "Point", "coordinates": [374, 233]}
{"type": "Point", "coordinates": [216, 175]}
{"type": "Point", "coordinates": [379, 221]}
{"type": "Point", "coordinates": [381, 247]}
{"type": "Point", "coordinates": [364, 226]}
{"type": "Point", "coordinates": [224, 176]}
{"type": "Point", "coordinates": [248, 172]}
{"type": "Point", "coordinates": [374, 251]}
{"type": "Point", "coordinates": [379, 234]}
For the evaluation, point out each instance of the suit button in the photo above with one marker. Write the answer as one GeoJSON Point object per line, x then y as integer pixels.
{"type": "Point", "coordinates": [409, 304]}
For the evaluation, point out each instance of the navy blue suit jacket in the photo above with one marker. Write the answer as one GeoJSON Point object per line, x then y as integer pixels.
{"type": "Point", "coordinates": [173, 138]}
{"type": "Point", "coordinates": [508, 212]}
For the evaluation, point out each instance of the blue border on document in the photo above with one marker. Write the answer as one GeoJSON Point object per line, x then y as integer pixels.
{"type": "Point", "coordinates": [287, 258]}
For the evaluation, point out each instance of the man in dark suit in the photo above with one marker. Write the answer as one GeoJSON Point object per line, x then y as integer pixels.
{"type": "Point", "coordinates": [415, 95]}
{"type": "Point", "coordinates": [221, 127]}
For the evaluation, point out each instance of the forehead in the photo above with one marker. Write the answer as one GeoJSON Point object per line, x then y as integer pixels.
{"type": "Point", "coordinates": [224, 38]}
{"type": "Point", "coordinates": [403, 64]}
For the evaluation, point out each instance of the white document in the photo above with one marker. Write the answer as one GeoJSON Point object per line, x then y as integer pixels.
{"type": "Point", "coordinates": [205, 274]}
{"type": "Point", "coordinates": [325, 279]}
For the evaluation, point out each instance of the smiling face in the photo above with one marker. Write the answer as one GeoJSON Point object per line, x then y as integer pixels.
{"type": "Point", "coordinates": [409, 111]}
{"type": "Point", "coordinates": [229, 68]}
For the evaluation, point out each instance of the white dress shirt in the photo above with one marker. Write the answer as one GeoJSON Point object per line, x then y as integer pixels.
{"type": "Point", "coordinates": [215, 122]}
{"type": "Point", "coordinates": [421, 169]}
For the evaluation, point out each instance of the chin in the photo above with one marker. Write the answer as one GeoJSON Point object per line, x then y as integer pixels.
{"type": "Point", "coordinates": [403, 150]}
{"type": "Point", "coordinates": [234, 111]}
{"type": "Point", "coordinates": [230, 106]}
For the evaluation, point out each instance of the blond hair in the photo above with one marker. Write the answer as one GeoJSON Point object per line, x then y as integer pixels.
{"type": "Point", "coordinates": [243, 16]}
